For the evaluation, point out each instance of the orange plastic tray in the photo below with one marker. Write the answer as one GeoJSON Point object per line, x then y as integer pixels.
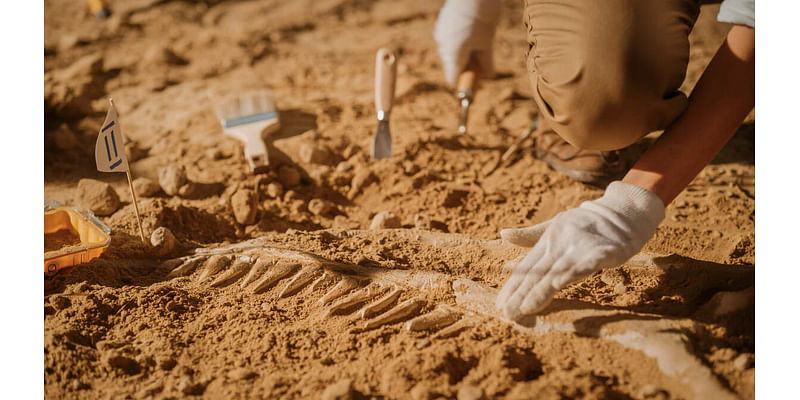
{"type": "Point", "coordinates": [94, 234]}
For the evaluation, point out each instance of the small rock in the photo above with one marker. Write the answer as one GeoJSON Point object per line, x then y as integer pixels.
{"type": "Point", "coordinates": [274, 190]}
{"type": "Point", "coordinates": [75, 385]}
{"type": "Point", "coordinates": [104, 345]}
{"type": "Point", "coordinates": [421, 391]}
{"type": "Point", "coordinates": [186, 386]}
{"type": "Point", "coordinates": [743, 361]}
{"type": "Point", "coordinates": [98, 196]}
{"type": "Point", "coordinates": [145, 187]}
{"type": "Point", "coordinates": [245, 206]}
{"type": "Point", "coordinates": [650, 391]}
{"type": "Point", "coordinates": [188, 190]}
{"type": "Point", "coordinates": [385, 220]}
{"type": "Point", "coordinates": [343, 166]}
{"type": "Point", "coordinates": [163, 241]}
{"type": "Point", "coordinates": [124, 364]}
{"type": "Point", "coordinates": [315, 155]}
{"type": "Point", "coordinates": [60, 302]}
{"type": "Point", "coordinates": [171, 178]}
{"type": "Point", "coordinates": [167, 363]}
{"type": "Point", "coordinates": [422, 222]}
{"type": "Point", "coordinates": [145, 360]}
{"type": "Point", "coordinates": [291, 195]}
{"type": "Point", "coordinates": [65, 139]}
{"type": "Point", "coordinates": [620, 288]}
{"type": "Point", "coordinates": [470, 392]}
{"type": "Point", "coordinates": [151, 389]}
{"type": "Point", "coordinates": [422, 344]}
{"type": "Point", "coordinates": [342, 390]}
{"type": "Point", "coordinates": [239, 374]}
{"type": "Point", "coordinates": [319, 206]}
{"type": "Point", "coordinates": [288, 176]}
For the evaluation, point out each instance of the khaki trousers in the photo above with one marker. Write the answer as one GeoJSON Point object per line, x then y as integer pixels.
{"type": "Point", "coordinates": [607, 72]}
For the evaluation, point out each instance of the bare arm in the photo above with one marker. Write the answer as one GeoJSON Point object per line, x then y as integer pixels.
{"type": "Point", "coordinates": [720, 101]}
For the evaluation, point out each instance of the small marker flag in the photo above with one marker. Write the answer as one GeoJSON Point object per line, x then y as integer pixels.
{"type": "Point", "coordinates": [109, 155]}
{"type": "Point", "coordinates": [109, 151]}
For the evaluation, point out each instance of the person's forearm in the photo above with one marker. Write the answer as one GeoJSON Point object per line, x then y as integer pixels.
{"type": "Point", "coordinates": [722, 98]}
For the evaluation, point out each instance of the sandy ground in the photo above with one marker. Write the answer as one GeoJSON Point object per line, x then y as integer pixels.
{"type": "Point", "coordinates": [312, 302]}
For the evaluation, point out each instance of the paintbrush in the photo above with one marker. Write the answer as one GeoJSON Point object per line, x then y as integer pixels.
{"type": "Point", "coordinates": [249, 116]}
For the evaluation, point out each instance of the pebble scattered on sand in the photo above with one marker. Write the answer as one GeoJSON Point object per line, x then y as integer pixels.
{"type": "Point", "coordinates": [171, 178]}
{"type": "Point", "coordinates": [187, 190]}
{"type": "Point", "coordinates": [245, 206]}
{"type": "Point", "coordinates": [145, 187]}
{"type": "Point", "coordinates": [239, 374]}
{"type": "Point", "coordinates": [470, 392]}
{"type": "Point", "coordinates": [385, 220]}
{"type": "Point", "coordinates": [98, 196]}
{"type": "Point", "coordinates": [743, 361]}
{"type": "Point", "coordinates": [341, 390]}
{"type": "Point", "coordinates": [274, 190]}
{"type": "Point", "coordinates": [319, 206]}
{"type": "Point", "coordinates": [163, 241]}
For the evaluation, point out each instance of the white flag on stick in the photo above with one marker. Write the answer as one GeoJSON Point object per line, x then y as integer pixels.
{"type": "Point", "coordinates": [110, 156]}
{"type": "Point", "coordinates": [109, 151]}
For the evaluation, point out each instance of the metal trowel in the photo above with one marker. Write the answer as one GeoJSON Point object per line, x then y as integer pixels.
{"type": "Point", "coordinates": [466, 86]}
{"type": "Point", "coordinates": [385, 74]}
{"type": "Point", "coordinates": [250, 117]}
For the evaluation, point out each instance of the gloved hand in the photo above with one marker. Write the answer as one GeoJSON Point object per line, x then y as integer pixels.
{"type": "Point", "coordinates": [463, 27]}
{"type": "Point", "coordinates": [598, 234]}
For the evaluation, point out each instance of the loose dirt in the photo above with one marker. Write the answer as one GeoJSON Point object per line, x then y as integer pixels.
{"type": "Point", "coordinates": [60, 239]}
{"type": "Point", "coordinates": [279, 289]}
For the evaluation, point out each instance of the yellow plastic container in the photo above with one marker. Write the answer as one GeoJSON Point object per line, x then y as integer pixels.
{"type": "Point", "coordinates": [94, 235]}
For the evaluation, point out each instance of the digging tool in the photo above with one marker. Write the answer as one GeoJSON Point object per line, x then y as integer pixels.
{"type": "Point", "coordinates": [466, 86]}
{"type": "Point", "coordinates": [249, 117]}
{"type": "Point", "coordinates": [514, 147]}
{"type": "Point", "coordinates": [385, 74]}
{"type": "Point", "coordinates": [524, 136]}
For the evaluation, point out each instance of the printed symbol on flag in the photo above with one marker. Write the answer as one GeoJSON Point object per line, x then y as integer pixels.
{"type": "Point", "coordinates": [109, 151]}
{"type": "Point", "coordinates": [110, 133]}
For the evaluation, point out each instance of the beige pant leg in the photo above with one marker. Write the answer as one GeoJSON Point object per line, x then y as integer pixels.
{"type": "Point", "coordinates": [605, 73]}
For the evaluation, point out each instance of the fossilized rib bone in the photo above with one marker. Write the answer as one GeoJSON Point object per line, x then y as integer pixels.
{"type": "Point", "coordinates": [655, 336]}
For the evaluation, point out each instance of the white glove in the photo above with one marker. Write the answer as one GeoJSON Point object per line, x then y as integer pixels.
{"type": "Point", "coordinates": [465, 26]}
{"type": "Point", "coordinates": [598, 234]}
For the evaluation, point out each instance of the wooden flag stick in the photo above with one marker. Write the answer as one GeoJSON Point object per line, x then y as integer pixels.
{"type": "Point", "coordinates": [136, 206]}
{"type": "Point", "coordinates": [133, 192]}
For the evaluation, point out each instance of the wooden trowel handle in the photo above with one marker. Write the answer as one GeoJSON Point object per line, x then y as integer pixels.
{"type": "Point", "coordinates": [385, 75]}
{"type": "Point", "coordinates": [468, 78]}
